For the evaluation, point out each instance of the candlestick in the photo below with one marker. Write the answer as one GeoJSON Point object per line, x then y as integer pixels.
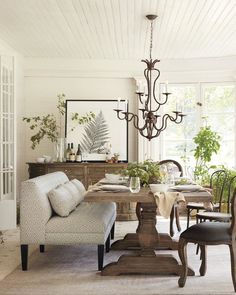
{"type": "Point", "coordinates": [166, 86]}
{"type": "Point", "coordinates": [118, 103]}
{"type": "Point", "coordinates": [126, 105]}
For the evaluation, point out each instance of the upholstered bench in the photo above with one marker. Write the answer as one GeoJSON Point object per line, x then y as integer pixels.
{"type": "Point", "coordinates": [75, 221]}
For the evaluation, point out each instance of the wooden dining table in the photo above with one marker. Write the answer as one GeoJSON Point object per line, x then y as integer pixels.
{"type": "Point", "coordinates": [147, 239]}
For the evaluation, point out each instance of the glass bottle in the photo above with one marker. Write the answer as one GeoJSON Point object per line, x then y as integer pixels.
{"type": "Point", "coordinates": [78, 157]}
{"type": "Point", "coordinates": [72, 153]}
{"type": "Point", "coordinates": [68, 151]}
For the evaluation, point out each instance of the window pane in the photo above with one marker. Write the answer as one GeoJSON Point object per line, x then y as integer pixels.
{"type": "Point", "coordinates": [219, 109]}
{"type": "Point", "coordinates": [178, 137]}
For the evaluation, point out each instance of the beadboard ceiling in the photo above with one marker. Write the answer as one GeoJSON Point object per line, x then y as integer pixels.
{"type": "Point", "coordinates": [118, 29]}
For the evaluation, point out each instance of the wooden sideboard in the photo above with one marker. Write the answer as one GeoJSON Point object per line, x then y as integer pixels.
{"type": "Point", "coordinates": [87, 173]}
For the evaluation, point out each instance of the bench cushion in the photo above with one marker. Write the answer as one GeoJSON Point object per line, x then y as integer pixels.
{"type": "Point", "coordinates": [89, 223]}
{"type": "Point", "coordinates": [62, 201]}
{"type": "Point", "coordinates": [77, 195]}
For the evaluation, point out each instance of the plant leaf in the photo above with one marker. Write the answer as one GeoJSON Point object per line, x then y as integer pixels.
{"type": "Point", "coordinates": [96, 134]}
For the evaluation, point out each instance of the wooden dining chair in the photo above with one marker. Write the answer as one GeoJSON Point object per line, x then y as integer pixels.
{"type": "Point", "coordinates": [219, 216]}
{"type": "Point", "coordinates": [175, 209]}
{"type": "Point", "coordinates": [217, 184]}
{"type": "Point", "coordinates": [209, 233]}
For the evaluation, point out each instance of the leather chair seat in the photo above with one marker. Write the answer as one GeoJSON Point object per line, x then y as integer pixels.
{"type": "Point", "coordinates": [208, 231]}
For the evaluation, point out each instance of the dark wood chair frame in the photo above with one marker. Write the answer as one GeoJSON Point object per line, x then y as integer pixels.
{"type": "Point", "coordinates": [175, 209]}
{"type": "Point", "coordinates": [182, 250]}
{"type": "Point", "coordinates": [215, 177]}
{"type": "Point", "coordinates": [218, 216]}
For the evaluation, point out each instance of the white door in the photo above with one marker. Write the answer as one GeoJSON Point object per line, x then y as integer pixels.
{"type": "Point", "coordinates": [7, 145]}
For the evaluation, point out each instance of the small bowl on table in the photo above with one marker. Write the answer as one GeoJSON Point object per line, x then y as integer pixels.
{"type": "Point", "coordinates": [158, 187]}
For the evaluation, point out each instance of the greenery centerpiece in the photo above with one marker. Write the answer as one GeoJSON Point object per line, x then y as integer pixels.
{"type": "Point", "coordinates": [148, 172]}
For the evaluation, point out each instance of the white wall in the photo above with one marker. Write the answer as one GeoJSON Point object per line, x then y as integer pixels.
{"type": "Point", "coordinates": [43, 84]}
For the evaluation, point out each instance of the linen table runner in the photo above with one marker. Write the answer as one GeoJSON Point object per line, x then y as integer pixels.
{"type": "Point", "coordinates": [165, 201]}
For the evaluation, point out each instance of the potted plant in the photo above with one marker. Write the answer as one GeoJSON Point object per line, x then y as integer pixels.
{"type": "Point", "coordinates": [207, 143]}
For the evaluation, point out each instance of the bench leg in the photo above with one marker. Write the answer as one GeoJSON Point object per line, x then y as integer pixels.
{"type": "Point", "coordinates": [108, 243]}
{"type": "Point", "coordinates": [100, 256]}
{"type": "Point", "coordinates": [42, 248]}
{"type": "Point", "coordinates": [113, 231]}
{"type": "Point", "coordinates": [24, 257]}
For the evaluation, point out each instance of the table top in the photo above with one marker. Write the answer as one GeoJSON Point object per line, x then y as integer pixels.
{"type": "Point", "coordinates": [143, 196]}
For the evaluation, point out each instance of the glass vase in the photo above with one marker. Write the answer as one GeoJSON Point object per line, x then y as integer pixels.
{"type": "Point", "coordinates": [60, 147]}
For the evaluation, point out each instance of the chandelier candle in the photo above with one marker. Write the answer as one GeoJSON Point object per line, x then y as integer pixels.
{"type": "Point", "coordinates": [147, 121]}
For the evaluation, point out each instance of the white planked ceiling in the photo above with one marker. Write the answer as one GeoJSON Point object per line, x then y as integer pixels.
{"type": "Point", "coordinates": [118, 29]}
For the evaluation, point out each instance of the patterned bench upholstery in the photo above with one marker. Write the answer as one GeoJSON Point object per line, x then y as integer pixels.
{"type": "Point", "coordinates": [89, 223]}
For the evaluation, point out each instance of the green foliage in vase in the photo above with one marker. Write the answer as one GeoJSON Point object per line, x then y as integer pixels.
{"type": "Point", "coordinates": [49, 126]}
{"type": "Point", "coordinates": [81, 120]}
{"type": "Point", "coordinates": [207, 143]}
{"type": "Point", "coordinates": [148, 172]}
{"type": "Point", "coordinates": [96, 135]}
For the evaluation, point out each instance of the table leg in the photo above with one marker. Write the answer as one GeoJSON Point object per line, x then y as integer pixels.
{"type": "Point", "coordinates": [146, 262]}
{"type": "Point", "coordinates": [131, 241]}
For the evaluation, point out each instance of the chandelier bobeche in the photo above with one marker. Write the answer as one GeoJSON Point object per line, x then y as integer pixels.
{"type": "Point", "coordinates": [151, 123]}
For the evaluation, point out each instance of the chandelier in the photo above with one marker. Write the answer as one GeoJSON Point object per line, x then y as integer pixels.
{"type": "Point", "coordinates": [149, 123]}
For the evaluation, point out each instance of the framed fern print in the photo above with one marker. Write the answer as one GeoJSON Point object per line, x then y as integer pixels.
{"type": "Point", "coordinates": [100, 133]}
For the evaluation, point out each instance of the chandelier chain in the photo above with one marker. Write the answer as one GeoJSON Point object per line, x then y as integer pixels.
{"type": "Point", "coordinates": [151, 37]}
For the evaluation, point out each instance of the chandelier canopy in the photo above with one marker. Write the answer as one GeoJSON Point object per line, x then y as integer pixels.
{"type": "Point", "coordinates": [149, 122]}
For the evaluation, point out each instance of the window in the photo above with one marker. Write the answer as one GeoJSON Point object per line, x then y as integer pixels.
{"type": "Point", "coordinates": [219, 110]}
{"type": "Point", "coordinates": [204, 103]}
{"type": "Point", "coordinates": [7, 166]}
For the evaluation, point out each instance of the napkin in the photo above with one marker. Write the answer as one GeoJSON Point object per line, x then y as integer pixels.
{"type": "Point", "coordinates": [187, 187]}
{"type": "Point", "coordinates": [165, 201]}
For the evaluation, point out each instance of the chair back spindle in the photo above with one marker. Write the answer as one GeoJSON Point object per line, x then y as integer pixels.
{"type": "Point", "coordinates": [233, 213]}
{"type": "Point", "coordinates": [231, 187]}
{"type": "Point", "coordinates": [217, 183]}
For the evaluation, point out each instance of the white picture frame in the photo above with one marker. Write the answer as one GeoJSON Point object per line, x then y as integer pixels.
{"type": "Point", "coordinates": [105, 132]}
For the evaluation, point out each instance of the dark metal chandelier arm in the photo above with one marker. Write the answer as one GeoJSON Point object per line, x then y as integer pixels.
{"type": "Point", "coordinates": [164, 122]}
{"type": "Point", "coordinates": [180, 116]}
{"type": "Point", "coordinates": [154, 84]}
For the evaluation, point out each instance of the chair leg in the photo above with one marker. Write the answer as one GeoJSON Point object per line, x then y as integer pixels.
{"type": "Point", "coordinates": [113, 231]}
{"type": "Point", "coordinates": [100, 256]}
{"type": "Point", "coordinates": [24, 257]}
{"type": "Point", "coordinates": [203, 266]}
{"type": "Point", "coordinates": [182, 250]}
{"type": "Point", "coordinates": [108, 243]}
{"type": "Point", "coordinates": [197, 250]}
{"type": "Point", "coordinates": [233, 262]}
{"type": "Point", "coordinates": [197, 218]}
{"type": "Point", "coordinates": [172, 216]}
{"type": "Point", "coordinates": [42, 248]}
{"type": "Point", "coordinates": [188, 217]}
{"type": "Point", "coordinates": [177, 218]}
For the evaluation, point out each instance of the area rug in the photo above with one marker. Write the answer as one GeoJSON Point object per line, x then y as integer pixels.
{"type": "Point", "coordinates": [72, 270]}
